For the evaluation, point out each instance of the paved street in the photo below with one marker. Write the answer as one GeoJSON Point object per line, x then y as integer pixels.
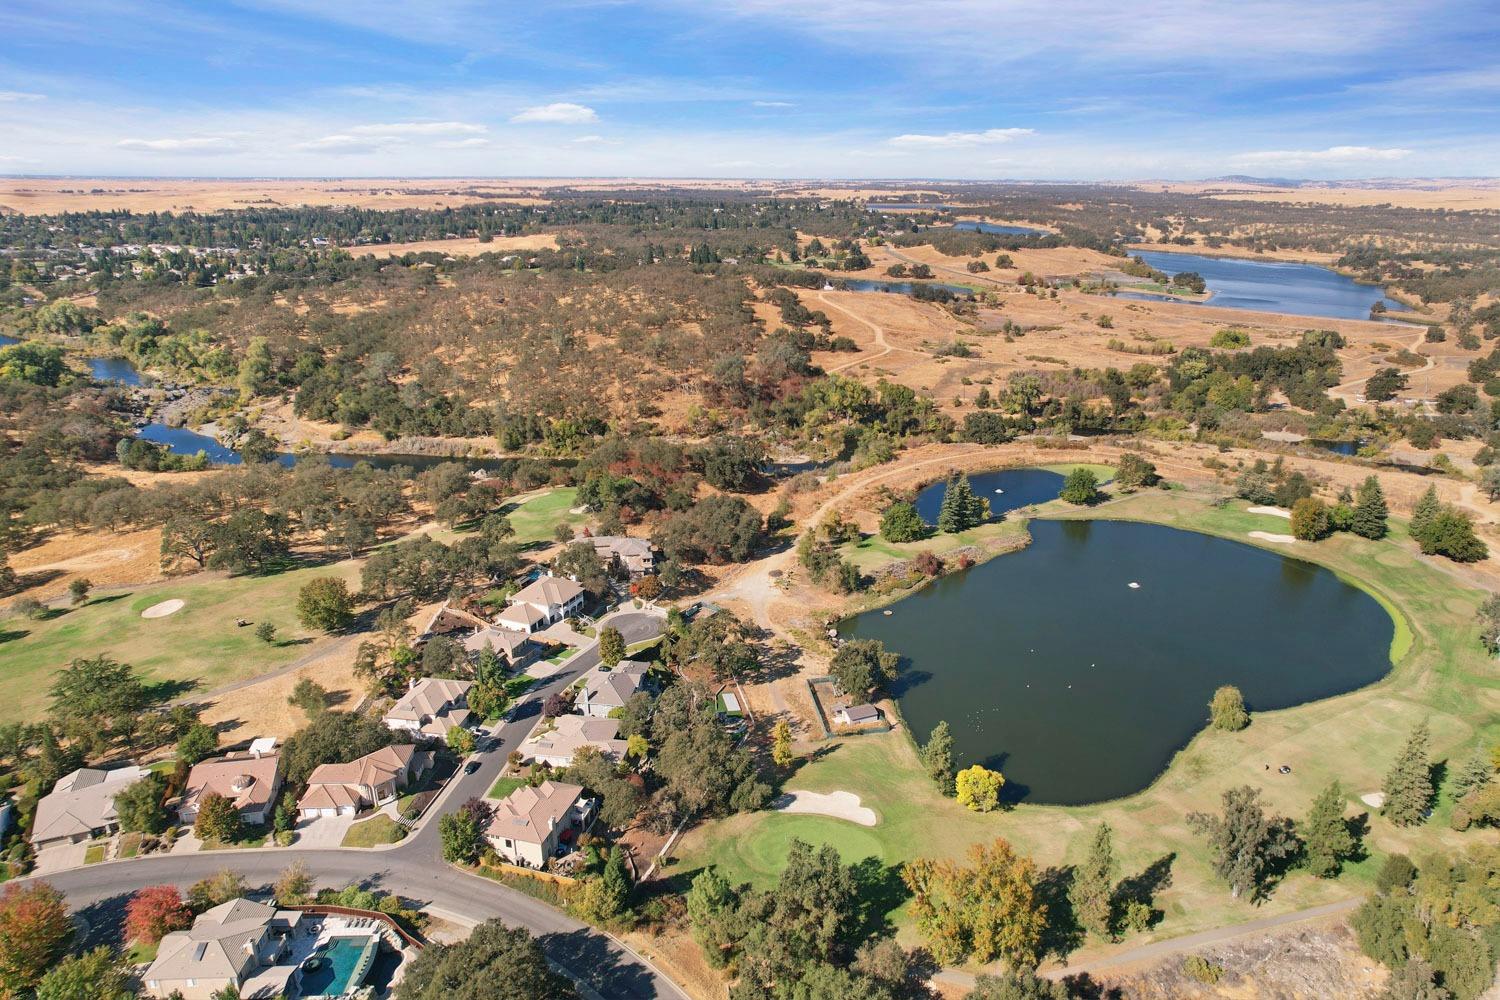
{"type": "Point", "coordinates": [414, 868]}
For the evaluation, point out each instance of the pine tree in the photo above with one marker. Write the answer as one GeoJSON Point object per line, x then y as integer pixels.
{"type": "Point", "coordinates": [1326, 837]}
{"type": "Point", "coordinates": [614, 884]}
{"type": "Point", "coordinates": [1408, 786]}
{"type": "Point", "coordinates": [1475, 774]}
{"type": "Point", "coordinates": [1427, 510]}
{"type": "Point", "coordinates": [1244, 842]}
{"type": "Point", "coordinates": [1370, 510]}
{"type": "Point", "coordinates": [937, 757]}
{"type": "Point", "coordinates": [1093, 885]}
{"type": "Point", "coordinates": [961, 509]}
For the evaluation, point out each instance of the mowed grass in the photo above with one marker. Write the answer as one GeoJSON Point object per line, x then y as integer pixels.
{"type": "Point", "coordinates": [199, 646]}
{"type": "Point", "coordinates": [373, 832]}
{"type": "Point", "coordinates": [1443, 678]}
{"type": "Point", "coordinates": [536, 519]}
{"type": "Point", "coordinates": [872, 552]}
{"type": "Point", "coordinates": [503, 787]}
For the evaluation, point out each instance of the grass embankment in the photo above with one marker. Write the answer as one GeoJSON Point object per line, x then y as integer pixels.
{"type": "Point", "coordinates": [200, 645]}
{"type": "Point", "coordinates": [503, 787]}
{"type": "Point", "coordinates": [1443, 677]}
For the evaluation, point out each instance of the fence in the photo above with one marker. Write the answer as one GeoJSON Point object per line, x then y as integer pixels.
{"type": "Point", "coordinates": [320, 909]}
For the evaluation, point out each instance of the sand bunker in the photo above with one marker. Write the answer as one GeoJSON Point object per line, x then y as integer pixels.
{"type": "Point", "coordinates": [1273, 511]}
{"type": "Point", "coordinates": [839, 805]}
{"type": "Point", "coordinates": [1374, 800]}
{"type": "Point", "coordinates": [163, 609]}
{"type": "Point", "coordinates": [1267, 536]}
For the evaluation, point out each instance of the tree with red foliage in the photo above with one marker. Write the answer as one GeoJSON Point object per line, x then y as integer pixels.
{"type": "Point", "coordinates": [35, 932]}
{"type": "Point", "coordinates": [155, 911]}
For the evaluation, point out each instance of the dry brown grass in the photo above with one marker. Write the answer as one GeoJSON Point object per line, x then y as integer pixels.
{"type": "Point", "coordinates": [1415, 193]}
{"type": "Point", "coordinates": [459, 248]}
{"type": "Point", "coordinates": [261, 709]}
{"type": "Point", "coordinates": [105, 559]}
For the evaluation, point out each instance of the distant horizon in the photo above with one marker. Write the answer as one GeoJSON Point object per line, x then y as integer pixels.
{"type": "Point", "coordinates": [750, 178]}
{"type": "Point", "coordinates": [771, 89]}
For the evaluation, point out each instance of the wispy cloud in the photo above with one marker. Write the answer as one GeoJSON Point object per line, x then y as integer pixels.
{"type": "Point", "coordinates": [1333, 155]}
{"type": "Point", "coordinates": [13, 96]}
{"type": "Point", "coordinates": [419, 128]}
{"type": "Point", "coordinates": [773, 104]}
{"type": "Point", "coordinates": [561, 113]}
{"type": "Point", "coordinates": [989, 137]}
{"type": "Point", "coordinates": [199, 144]}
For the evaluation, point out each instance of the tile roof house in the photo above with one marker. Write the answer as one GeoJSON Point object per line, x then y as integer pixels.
{"type": "Point", "coordinates": [431, 707]}
{"type": "Point", "coordinates": [81, 806]}
{"type": "Point", "coordinates": [606, 689]}
{"type": "Point", "coordinates": [371, 780]}
{"type": "Point", "coordinates": [251, 783]}
{"type": "Point", "coordinates": [515, 647]}
{"type": "Point", "coordinates": [237, 944]}
{"type": "Point", "coordinates": [545, 601]}
{"type": "Point", "coordinates": [530, 822]}
{"type": "Point", "coordinates": [571, 733]}
{"type": "Point", "coordinates": [635, 554]}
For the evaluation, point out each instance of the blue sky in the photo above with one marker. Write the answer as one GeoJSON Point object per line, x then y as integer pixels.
{"type": "Point", "coordinates": [1085, 89]}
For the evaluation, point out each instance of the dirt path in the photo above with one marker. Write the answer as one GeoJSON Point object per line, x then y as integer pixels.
{"type": "Point", "coordinates": [1176, 946]}
{"type": "Point", "coordinates": [968, 277]}
{"type": "Point", "coordinates": [1346, 390]}
{"type": "Point", "coordinates": [878, 330]}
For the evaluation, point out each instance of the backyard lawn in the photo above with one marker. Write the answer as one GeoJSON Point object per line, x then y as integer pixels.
{"type": "Point", "coordinates": [199, 645]}
{"type": "Point", "coordinates": [504, 786]}
{"type": "Point", "coordinates": [1442, 676]}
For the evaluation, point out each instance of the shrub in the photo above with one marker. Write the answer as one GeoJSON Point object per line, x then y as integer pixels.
{"type": "Point", "coordinates": [1227, 710]}
{"type": "Point", "coordinates": [1230, 338]}
{"type": "Point", "coordinates": [1202, 969]}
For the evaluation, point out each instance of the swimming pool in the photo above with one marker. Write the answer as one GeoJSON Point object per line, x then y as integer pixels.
{"type": "Point", "coordinates": [343, 964]}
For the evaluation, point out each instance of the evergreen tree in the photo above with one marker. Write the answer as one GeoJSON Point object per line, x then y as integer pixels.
{"type": "Point", "coordinates": [1093, 885]}
{"type": "Point", "coordinates": [1370, 510]}
{"type": "Point", "coordinates": [1244, 842]}
{"type": "Point", "coordinates": [1325, 836]}
{"type": "Point", "coordinates": [1475, 774]}
{"type": "Point", "coordinates": [1408, 786]}
{"type": "Point", "coordinates": [1080, 487]}
{"type": "Point", "coordinates": [1426, 511]}
{"type": "Point", "coordinates": [937, 757]}
{"type": "Point", "coordinates": [961, 509]}
{"type": "Point", "coordinates": [615, 883]}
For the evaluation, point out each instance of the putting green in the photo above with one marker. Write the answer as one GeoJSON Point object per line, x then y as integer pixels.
{"type": "Point", "coordinates": [765, 850]}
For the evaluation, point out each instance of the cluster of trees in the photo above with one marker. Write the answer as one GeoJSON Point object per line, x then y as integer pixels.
{"type": "Point", "coordinates": [494, 960]}
{"type": "Point", "coordinates": [1442, 529]}
{"type": "Point", "coordinates": [861, 666]}
{"type": "Point", "coordinates": [803, 938]}
{"type": "Point", "coordinates": [1438, 927]}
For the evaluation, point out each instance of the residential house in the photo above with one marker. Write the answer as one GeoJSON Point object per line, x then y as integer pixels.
{"type": "Point", "coordinates": [517, 648]}
{"type": "Point", "coordinates": [571, 733]}
{"type": "Point", "coordinates": [371, 780]}
{"type": "Point", "coordinates": [250, 782]}
{"type": "Point", "coordinates": [239, 944]}
{"type": "Point", "coordinates": [545, 601]}
{"type": "Point", "coordinates": [530, 823]}
{"type": "Point", "coordinates": [431, 708]}
{"type": "Point", "coordinates": [635, 554]}
{"type": "Point", "coordinates": [81, 806]}
{"type": "Point", "coordinates": [608, 688]}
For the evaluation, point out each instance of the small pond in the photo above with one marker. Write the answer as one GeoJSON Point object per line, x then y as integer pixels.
{"type": "Point", "coordinates": [999, 229]}
{"type": "Point", "coordinates": [1270, 285]}
{"type": "Point", "coordinates": [1005, 489]}
{"type": "Point", "coordinates": [908, 206]}
{"type": "Point", "coordinates": [1050, 667]}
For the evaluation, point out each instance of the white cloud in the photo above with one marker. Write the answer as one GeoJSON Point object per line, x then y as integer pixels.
{"type": "Point", "coordinates": [773, 104]}
{"type": "Point", "coordinates": [561, 113]}
{"type": "Point", "coordinates": [10, 96]}
{"type": "Point", "coordinates": [341, 142]}
{"type": "Point", "coordinates": [192, 144]}
{"type": "Point", "coordinates": [583, 140]}
{"type": "Point", "coordinates": [988, 137]}
{"type": "Point", "coordinates": [475, 142]}
{"type": "Point", "coordinates": [419, 128]}
{"type": "Point", "coordinates": [1331, 155]}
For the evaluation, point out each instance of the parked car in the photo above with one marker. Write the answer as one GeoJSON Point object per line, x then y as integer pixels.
{"type": "Point", "coordinates": [471, 767]}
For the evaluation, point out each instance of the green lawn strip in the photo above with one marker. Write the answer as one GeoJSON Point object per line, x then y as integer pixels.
{"type": "Point", "coordinates": [1104, 472]}
{"type": "Point", "coordinates": [140, 953]}
{"type": "Point", "coordinates": [636, 648]}
{"type": "Point", "coordinates": [250, 836]}
{"type": "Point", "coordinates": [199, 644]}
{"type": "Point", "coordinates": [1443, 678]}
{"type": "Point", "coordinates": [503, 787]}
{"type": "Point", "coordinates": [376, 830]}
{"type": "Point", "coordinates": [130, 845]}
{"type": "Point", "coordinates": [873, 552]}
{"type": "Point", "coordinates": [93, 854]}
{"type": "Point", "coordinates": [562, 654]}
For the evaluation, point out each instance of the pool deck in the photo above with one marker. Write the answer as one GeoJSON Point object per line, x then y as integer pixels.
{"type": "Point", "coordinates": [304, 945]}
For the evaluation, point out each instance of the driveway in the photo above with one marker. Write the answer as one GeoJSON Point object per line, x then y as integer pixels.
{"type": "Point", "coordinates": [323, 831]}
{"type": "Point", "coordinates": [60, 858]}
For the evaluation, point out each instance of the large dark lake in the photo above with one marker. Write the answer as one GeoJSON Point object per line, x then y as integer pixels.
{"type": "Point", "coordinates": [1000, 229]}
{"type": "Point", "coordinates": [1272, 286]}
{"type": "Point", "coordinates": [1049, 667]}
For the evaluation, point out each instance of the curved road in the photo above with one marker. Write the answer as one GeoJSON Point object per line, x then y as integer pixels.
{"type": "Point", "coordinates": [414, 868]}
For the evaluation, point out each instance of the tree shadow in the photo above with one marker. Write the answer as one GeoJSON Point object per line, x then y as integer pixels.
{"type": "Point", "coordinates": [879, 891]}
{"type": "Point", "coordinates": [11, 635]}
{"type": "Point", "coordinates": [1359, 829]}
{"type": "Point", "coordinates": [170, 690]}
{"type": "Point", "coordinates": [106, 599]}
{"type": "Point", "coordinates": [284, 643]}
{"type": "Point", "coordinates": [1083, 987]}
{"type": "Point", "coordinates": [596, 960]}
{"type": "Point", "coordinates": [907, 679]}
{"type": "Point", "coordinates": [1436, 774]}
{"type": "Point", "coordinates": [1143, 887]}
{"type": "Point", "coordinates": [1062, 934]}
